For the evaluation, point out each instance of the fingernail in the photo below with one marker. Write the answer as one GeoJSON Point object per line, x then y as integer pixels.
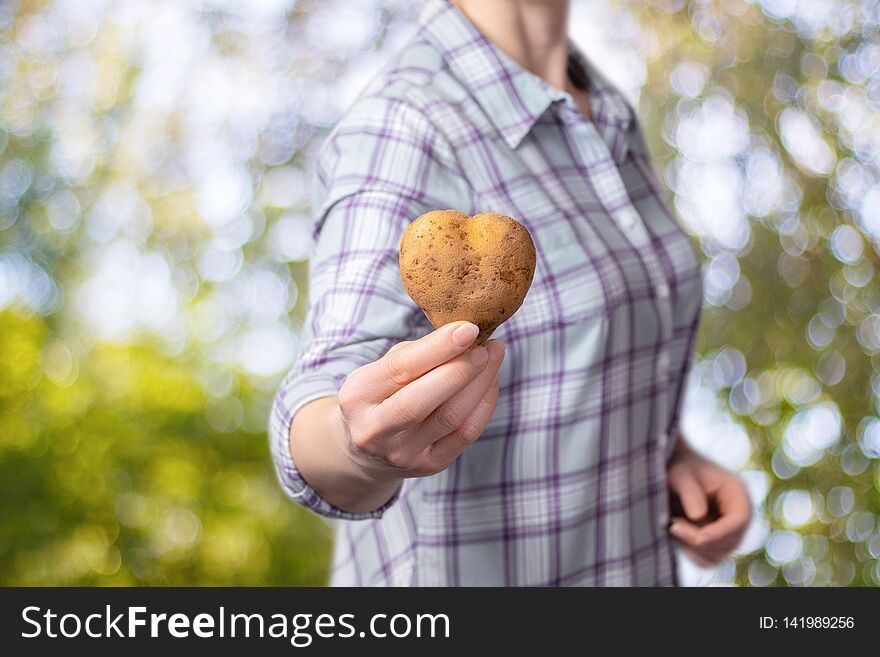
{"type": "Point", "coordinates": [480, 356]}
{"type": "Point", "coordinates": [674, 529]}
{"type": "Point", "coordinates": [465, 334]}
{"type": "Point", "coordinates": [496, 351]}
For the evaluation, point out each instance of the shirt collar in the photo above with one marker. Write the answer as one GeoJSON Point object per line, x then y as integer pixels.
{"type": "Point", "coordinates": [512, 97]}
{"type": "Point", "coordinates": [608, 105]}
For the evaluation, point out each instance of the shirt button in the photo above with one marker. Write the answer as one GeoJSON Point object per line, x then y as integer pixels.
{"type": "Point", "coordinates": [663, 362]}
{"type": "Point", "coordinates": [627, 218]}
{"type": "Point", "coordinates": [663, 518]}
{"type": "Point", "coordinates": [662, 291]}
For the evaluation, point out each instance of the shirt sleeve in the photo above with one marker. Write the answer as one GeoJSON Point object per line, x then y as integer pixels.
{"type": "Point", "coordinates": [372, 171]}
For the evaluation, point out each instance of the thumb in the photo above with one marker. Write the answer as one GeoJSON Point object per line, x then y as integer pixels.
{"type": "Point", "coordinates": [685, 484]}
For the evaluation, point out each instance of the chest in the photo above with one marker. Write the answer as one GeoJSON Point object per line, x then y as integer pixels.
{"type": "Point", "coordinates": [604, 237]}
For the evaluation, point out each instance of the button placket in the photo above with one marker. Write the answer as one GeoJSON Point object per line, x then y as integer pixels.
{"type": "Point", "coordinates": [663, 363]}
{"type": "Point", "coordinates": [611, 190]}
{"type": "Point", "coordinates": [627, 218]}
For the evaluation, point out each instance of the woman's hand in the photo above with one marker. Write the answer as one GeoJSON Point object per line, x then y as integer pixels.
{"type": "Point", "coordinates": [409, 414]}
{"type": "Point", "coordinates": [413, 411]}
{"type": "Point", "coordinates": [715, 504]}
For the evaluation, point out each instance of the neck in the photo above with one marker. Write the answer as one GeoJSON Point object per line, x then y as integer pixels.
{"type": "Point", "coordinates": [534, 33]}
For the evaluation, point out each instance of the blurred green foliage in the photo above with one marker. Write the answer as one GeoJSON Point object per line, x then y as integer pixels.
{"type": "Point", "coordinates": [111, 475]}
{"type": "Point", "coordinates": [789, 337]}
{"type": "Point", "coordinates": [154, 200]}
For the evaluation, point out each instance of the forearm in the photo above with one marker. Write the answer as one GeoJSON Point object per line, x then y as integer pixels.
{"type": "Point", "coordinates": [319, 445]}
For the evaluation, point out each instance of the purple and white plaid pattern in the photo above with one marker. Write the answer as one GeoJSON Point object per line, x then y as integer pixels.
{"type": "Point", "coordinates": [567, 486]}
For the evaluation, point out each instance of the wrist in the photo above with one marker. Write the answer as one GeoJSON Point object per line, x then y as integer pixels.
{"type": "Point", "coordinates": [319, 448]}
{"type": "Point", "coordinates": [361, 466]}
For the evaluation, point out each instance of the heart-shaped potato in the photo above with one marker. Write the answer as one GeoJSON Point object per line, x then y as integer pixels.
{"type": "Point", "coordinates": [457, 267]}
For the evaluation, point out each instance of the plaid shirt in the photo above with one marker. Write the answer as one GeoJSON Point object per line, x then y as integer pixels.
{"type": "Point", "coordinates": [567, 485]}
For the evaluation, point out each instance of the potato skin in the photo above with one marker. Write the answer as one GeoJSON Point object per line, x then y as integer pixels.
{"type": "Point", "coordinates": [457, 267]}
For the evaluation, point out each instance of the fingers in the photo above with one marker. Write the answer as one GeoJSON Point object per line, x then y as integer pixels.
{"type": "Point", "coordinates": [414, 402]}
{"type": "Point", "coordinates": [736, 511]}
{"type": "Point", "coordinates": [397, 346]}
{"type": "Point", "coordinates": [451, 414]}
{"type": "Point", "coordinates": [408, 361]}
{"type": "Point", "coordinates": [684, 483]}
{"type": "Point", "coordinates": [715, 540]}
{"type": "Point", "coordinates": [733, 499]}
{"type": "Point", "coordinates": [698, 547]}
{"type": "Point", "coordinates": [447, 449]}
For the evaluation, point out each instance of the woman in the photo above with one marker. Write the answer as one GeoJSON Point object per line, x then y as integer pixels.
{"type": "Point", "coordinates": [548, 456]}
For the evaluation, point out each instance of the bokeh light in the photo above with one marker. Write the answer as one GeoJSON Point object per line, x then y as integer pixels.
{"type": "Point", "coordinates": [155, 183]}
